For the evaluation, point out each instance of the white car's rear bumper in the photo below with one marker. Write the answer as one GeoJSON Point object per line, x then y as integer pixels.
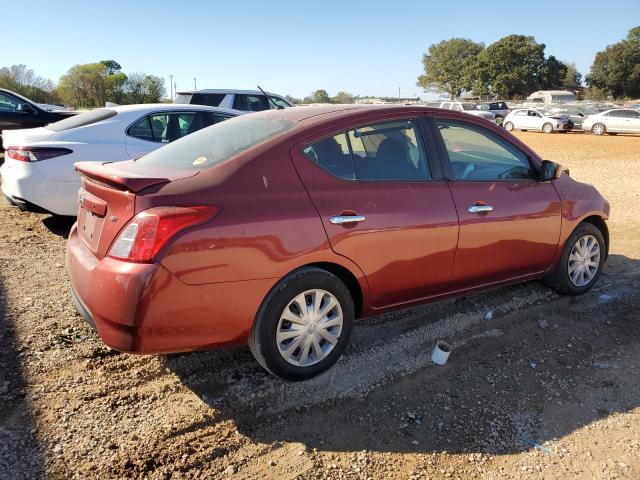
{"type": "Point", "coordinates": [29, 189]}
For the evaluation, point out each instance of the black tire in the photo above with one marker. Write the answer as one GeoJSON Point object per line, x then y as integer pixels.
{"type": "Point", "coordinates": [508, 126]}
{"type": "Point", "coordinates": [547, 128]}
{"type": "Point", "coordinates": [599, 129]}
{"type": "Point", "coordinates": [262, 339]}
{"type": "Point", "coordinates": [559, 279]}
{"type": "Point", "coordinates": [499, 121]}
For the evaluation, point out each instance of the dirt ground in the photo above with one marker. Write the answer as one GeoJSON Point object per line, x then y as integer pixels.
{"type": "Point", "coordinates": [538, 385]}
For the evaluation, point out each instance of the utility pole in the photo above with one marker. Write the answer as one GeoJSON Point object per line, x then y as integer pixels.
{"type": "Point", "coordinates": [398, 93]}
{"type": "Point", "coordinates": [194, 84]}
{"type": "Point", "coordinates": [171, 86]}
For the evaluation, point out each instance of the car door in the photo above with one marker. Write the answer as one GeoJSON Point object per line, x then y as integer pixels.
{"type": "Point", "coordinates": [384, 205]}
{"type": "Point", "coordinates": [520, 119]}
{"type": "Point", "coordinates": [509, 222]}
{"type": "Point", "coordinates": [615, 121]}
{"type": "Point", "coordinates": [156, 129]}
{"type": "Point", "coordinates": [15, 113]}
{"type": "Point", "coordinates": [632, 121]}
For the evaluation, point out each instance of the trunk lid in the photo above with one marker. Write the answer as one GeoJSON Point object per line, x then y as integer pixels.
{"type": "Point", "coordinates": [107, 198]}
{"type": "Point", "coordinates": [24, 136]}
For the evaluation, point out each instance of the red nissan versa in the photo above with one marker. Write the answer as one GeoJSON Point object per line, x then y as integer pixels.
{"type": "Point", "coordinates": [281, 227]}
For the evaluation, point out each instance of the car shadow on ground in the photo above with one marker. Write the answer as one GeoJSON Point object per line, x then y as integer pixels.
{"type": "Point", "coordinates": [516, 378]}
{"type": "Point", "coordinates": [20, 452]}
{"type": "Point", "coordinates": [58, 225]}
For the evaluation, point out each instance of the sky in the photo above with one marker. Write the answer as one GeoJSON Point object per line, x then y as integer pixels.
{"type": "Point", "coordinates": [294, 47]}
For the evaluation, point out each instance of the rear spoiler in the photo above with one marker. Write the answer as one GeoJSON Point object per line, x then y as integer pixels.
{"type": "Point", "coordinates": [120, 179]}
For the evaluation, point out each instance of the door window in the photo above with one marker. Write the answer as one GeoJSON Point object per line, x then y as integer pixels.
{"type": "Point", "coordinates": [477, 154]}
{"type": "Point", "coordinates": [211, 99]}
{"type": "Point", "coordinates": [211, 118]}
{"type": "Point", "coordinates": [9, 104]}
{"type": "Point", "coordinates": [522, 113]}
{"type": "Point", "coordinates": [631, 114]}
{"type": "Point", "coordinates": [384, 151]}
{"type": "Point", "coordinates": [166, 127]}
{"type": "Point", "coordinates": [278, 103]}
{"type": "Point", "coordinates": [251, 103]}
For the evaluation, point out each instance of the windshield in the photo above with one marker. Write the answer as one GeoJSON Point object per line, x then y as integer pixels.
{"type": "Point", "coordinates": [469, 106]}
{"type": "Point", "coordinates": [218, 143]}
{"type": "Point", "coordinates": [82, 120]}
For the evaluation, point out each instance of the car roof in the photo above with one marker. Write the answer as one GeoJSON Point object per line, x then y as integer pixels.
{"type": "Point", "coordinates": [225, 91]}
{"type": "Point", "coordinates": [21, 97]}
{"type": "Point", "coordinates": [142, 107]}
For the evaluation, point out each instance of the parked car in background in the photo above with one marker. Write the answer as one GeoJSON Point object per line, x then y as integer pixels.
{"type": "Point", "coordinates": [576, 113]}
{"type": "Point", "coordinates": [499, 109]}
{"type": "Point", "coordinates": [538, 120]}
{"type": "Point", "coordinates": [245, 100]}
{"type": "Point", "coordinates": [619, 120]}
{"type": "Point", "coordinates": [17, 111]}
{"type": "Point", "coordinates": [466, 107]}
{"type": "Point", "coordinates": [38, 172]}
{"type": "Point", "coordinates": [280, 228]}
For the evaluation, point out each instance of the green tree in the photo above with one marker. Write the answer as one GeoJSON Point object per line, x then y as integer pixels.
{"type": "Point", "coordinates": [154, 89]}
{"type": "Point", "coordinates": [343, 97]}
{"type": "Point", "coordinates": [143, 88]}
{"type": "Point", "coordinates": [116, 80]}
{"type": "Point", "coordinates": [616, 70]}
{"type": "Point", "coordinates": [112, 66]}
{"type": "Point", "coordinates": [449, 65]}
{"type": "Point", "coordinates": [515, 66]}
{"type": "Point", "coordinates": [23, 80]}
{"type": "Point", "coordinates": [85, 85]}
{"type": "Point", "coordinates": [572, 77]}
{"type": "Point", "coordinates": [320, 96]}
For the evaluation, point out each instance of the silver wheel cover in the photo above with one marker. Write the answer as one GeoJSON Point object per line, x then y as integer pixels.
{"type": "Point", "coordinates": [584, 261]}
{"type": "Point", "coordinates": [309, 328]}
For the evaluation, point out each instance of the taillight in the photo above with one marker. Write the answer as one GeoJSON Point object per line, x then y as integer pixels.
{"type": "Point", "coordinates": [35, 154]}
{"type": "Point", "coordinates": [149, 231]}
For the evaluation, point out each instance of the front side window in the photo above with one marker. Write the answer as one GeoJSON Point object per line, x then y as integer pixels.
{"type": "Point", "coordinates": [614, 113]}
{"type": "Point", "coordinates": [9, 104]}
{"type": "Point", "coordinates": [384, 151]}
{"type": "Point", "coordinates": [251, 103]}
{"type": "Point", "coordinates": [631, 114]}
{"type": "Point", "coordinates": [479, 155]}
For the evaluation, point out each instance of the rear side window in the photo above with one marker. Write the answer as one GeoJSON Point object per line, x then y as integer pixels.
{"type": "Point", "coordinates": [615, 113]}
{"type": "Point", "coordinates": [384, 151]}
{"type": "Point", "coordinates": [211, 118]}
{"type": "Point", "coordinates": [219, 143]}
{"type": "Point", "coordinates": [82, 119]}
{"type": "Point", "coordinates": [210, 99]}
{"type": "Point", "coordinates": [166, 127]}
{"type": "Point", "coordinates": [251, 103]}
{"type": "Point", "coordinates": [477, 154]}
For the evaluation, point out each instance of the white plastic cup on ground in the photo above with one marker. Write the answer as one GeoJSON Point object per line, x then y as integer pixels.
{"type": "Point", "coordinates": [441, 353]}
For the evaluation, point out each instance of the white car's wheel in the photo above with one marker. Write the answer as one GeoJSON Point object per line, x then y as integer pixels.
{"type": "Point", "coordinates": [508, 126]}
{"type": "Point", "coordinates": [547, 128]}
{"type": "Point", "coordinates": [599, 129]}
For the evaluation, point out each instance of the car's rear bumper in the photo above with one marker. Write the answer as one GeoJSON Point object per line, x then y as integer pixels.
{"type": "Point", "coordinates": [143, 308]}
{"type": "Point", "coordinates": [30, 190]}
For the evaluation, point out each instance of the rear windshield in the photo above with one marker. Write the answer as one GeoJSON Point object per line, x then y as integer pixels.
{"type": "Point", "coordinates": [218, 143]}
{"type": "Point", "coordinates": [82, 120]}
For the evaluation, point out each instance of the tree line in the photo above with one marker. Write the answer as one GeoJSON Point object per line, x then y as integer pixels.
{"type": "Point", "coordinates": [516, 65]}
{"type": "Point", "coordinates": [86, 85]}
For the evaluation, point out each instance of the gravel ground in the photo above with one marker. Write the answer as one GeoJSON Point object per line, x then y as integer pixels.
{"type": "Point", "coordinates": [538, 385]}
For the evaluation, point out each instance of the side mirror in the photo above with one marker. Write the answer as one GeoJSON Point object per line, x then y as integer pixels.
{"type": "Point", "coordinates": [549, 171]}
{"type": "Point", "coordinates": [27, 108]}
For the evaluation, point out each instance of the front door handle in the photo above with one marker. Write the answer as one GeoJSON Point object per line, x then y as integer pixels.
{"type": "Point", "coordinates": [342, 219]}
{"type": "Point", "coordinates": [480, 208]}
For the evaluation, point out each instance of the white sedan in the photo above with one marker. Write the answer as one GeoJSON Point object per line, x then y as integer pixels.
{"type": "Point", "coordinates": [534, 119]}
{"type": "Point", "coordinates": [38, 172]}
{"type": "Point", "coordinates": [619, 120]}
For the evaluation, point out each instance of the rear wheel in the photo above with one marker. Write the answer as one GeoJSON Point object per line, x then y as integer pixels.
{"type": "Point", "coordinates": [547, 128]}
{"type": "Point", "coordinates": [508, 126]}
{"type": "Point", "coordinates": [599, 129]}
{"type": "Point", "coordinates": [581, 263]}
{"type": "Point", "coordinates": [304, 325]}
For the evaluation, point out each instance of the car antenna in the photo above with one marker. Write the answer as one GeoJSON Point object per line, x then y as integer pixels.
{"type": "Point", "coordinates": [269, 98]}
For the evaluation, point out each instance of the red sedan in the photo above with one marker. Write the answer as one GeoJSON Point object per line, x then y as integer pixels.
{"type": "Point", "coordinates": [281, 228]}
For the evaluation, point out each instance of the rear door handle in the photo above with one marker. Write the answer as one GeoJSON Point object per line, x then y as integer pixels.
{"type": "Point", "coordinates": [480, 208]}
{"type": "Point", "coordinates": [342, 219]}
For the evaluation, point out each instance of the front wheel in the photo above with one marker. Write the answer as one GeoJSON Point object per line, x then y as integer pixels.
{"type": "Point", "coordinates": [547, 128]}
{"type": "Point", "coordinates": [508, 126]}
{"type": "Point", "coordinates": [581, 262]}
{"type": "Point", "coordinates": [304, 325]}
{"type": "Point", "coordinates": [599, 129]}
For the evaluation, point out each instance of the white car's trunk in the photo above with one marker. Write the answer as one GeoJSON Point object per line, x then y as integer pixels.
{"type": "Point", "coordinates": [18, 138]}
